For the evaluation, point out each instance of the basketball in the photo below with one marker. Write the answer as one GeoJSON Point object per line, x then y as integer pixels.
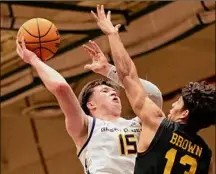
{"type": "Point", "coordinates": [41, 36]}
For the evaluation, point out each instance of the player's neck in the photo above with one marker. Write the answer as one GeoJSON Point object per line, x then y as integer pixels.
{"type": "Point", "coordinates": [106, 116]}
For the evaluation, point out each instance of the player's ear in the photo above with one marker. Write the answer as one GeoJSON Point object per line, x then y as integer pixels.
{"type": "Point", "coordinates": [185, 114]}
{"type": "Point", "coordinates": [91, 105]}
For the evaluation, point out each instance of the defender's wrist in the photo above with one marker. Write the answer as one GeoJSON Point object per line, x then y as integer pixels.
{"type": "Point", "coordinates": [113, 33]}
{"type": "Point", "coordinates": [105, 70]}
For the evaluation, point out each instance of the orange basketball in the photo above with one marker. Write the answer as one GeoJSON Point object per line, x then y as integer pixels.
{"type": "Point", "coordinates": [41, 36]}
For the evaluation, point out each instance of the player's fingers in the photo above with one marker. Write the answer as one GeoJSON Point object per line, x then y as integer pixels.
{"type": "Point", "coordinates": [19, 49]}
{"type": "Point", "coordinates": [102, 11]}
{"type": "Point", "coordinates": [88, 66]}
{"type": "Point", "coordinates": [98, 11]}
{"type": "Point", "coordinates": [19, 52]}
{"type": "Point", "coordinates": [109, 15]}
{"type": "Point", "coordinates": [92, 44]}
{"type": "Point", "coordinates": [95, 46]}
{"type": "Point", "coordinates": [18, 45]}
{"type": "Point", "coordinates": [94, 16]}
{"type": "Point", "coordinates": [90, 52]}
{"type": "Point", "coordinates": [23, 43]}
{"type": "Point", "coordinates": [86, 47]}
{"type": "Point", "coordinates": [117, 27]}
{"type": "Point", "coordinates": [17, 42]}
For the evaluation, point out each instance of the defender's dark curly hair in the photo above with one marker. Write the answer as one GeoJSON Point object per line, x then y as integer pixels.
{"type": "Point", "coordinates": [200, 100]}
{"type": "Point", "coordinates": [88, 89]}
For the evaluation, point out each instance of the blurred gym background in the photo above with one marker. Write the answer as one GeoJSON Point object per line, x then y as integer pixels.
{"type": "Point", "coordinates": [171, 44]}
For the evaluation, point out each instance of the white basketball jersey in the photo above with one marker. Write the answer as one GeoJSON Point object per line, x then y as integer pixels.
{"type": "Point", "coordinates": [111, 146]}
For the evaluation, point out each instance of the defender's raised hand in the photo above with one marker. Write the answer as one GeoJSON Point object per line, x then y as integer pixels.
{"type": "Point", "coordinates": [24, 53]}
{"type": "Point", "coordinates": [104, 21]}
{"type": "Point", "coordinates": [99, 63]}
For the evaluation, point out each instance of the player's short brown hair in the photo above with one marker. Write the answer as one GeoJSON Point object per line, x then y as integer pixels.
{"type": "Point", "coordinates": [87, 91]}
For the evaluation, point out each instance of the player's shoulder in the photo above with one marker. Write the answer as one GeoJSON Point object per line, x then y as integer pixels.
{"type": "Point", "coordinates": [134, 122]}
{"type": "Point", "coordinates": [121, 121]}
{"type": "Point", "coordinates": [170, 125]}
{"type": "Point", "coordinates": [202, 142]}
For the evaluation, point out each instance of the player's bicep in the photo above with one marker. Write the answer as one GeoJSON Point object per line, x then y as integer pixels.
{"type": "Point", "coordinates": [150, 109]}
{"type": "Point", "coordinates": [75, 118]}
{"type": "Point", "coordinates": [142, 105]}
{"type": "Point", "coordinates": [135, 93]}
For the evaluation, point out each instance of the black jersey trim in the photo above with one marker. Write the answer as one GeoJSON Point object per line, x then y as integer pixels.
{"type": "Point", "coordinates": [90, 135]}
{"type": "Point", "coordinates": [86, 167]}
{"type": "Point", "coordinates": [155, 139]}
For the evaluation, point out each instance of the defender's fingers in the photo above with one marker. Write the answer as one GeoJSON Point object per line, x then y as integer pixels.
{"type": "Point", "coordinates": [95, 46]}
{"type": "Point", "coordinates": [88, 48]}
{"type": "Point", "coordinates": [102, 11]}
{"type": "Point", "coordinates": [94, 16]}
{"type": "Point", "coordinates": [88, 66]}
{"type": "Point", "coordinates": [109, 15]}
{"type": "Point", "coordinates": [90, 52]}
{"type": "Point", "coordinates": [98, 11]}
{"type": "Point", "coordinates": [118, 26]}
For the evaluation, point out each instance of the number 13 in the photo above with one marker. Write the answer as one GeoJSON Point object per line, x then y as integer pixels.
{"type": "Point", "coordinates": [186, 159]}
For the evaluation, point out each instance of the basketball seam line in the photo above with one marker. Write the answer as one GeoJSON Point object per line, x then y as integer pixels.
{"type": "Point", "coordinates": [47, 31]}
{"type": "Point", "coordinates": [45, 49]}
{"type": "Point", "coordinates": [39, 37]}
{"type": "Point", "coordinates": [29, 32]}
{"type": "Point", "coordinates": [41, 42]}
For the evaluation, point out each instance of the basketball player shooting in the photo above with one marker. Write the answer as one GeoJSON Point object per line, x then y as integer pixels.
{"type": "Point", "coordinates": [167, 145]}
{"type": "Point", "coordinates": [106, 143]}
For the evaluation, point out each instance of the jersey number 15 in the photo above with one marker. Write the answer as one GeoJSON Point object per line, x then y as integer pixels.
{"type": "Point", "coordinates": [128, 144]}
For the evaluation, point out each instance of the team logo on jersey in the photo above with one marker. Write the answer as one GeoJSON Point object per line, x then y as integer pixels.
{"type": "Point", "coordinates": [133, 124]}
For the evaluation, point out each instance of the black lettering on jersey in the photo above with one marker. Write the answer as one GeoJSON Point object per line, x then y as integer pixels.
{"type": "Point", "coordinates": [104, 129]}
{"type": "Point", "coordinates": [136, 130]}
{"type": "Point", "coordinates": [125, 129]}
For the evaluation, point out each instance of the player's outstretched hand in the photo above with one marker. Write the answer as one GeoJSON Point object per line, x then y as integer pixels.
{"type": "Point", "coordinates": [24, 53]}
{"type": "Point", "coordinates": [99, 63]}
{"type": "Point", "coordinates": [104, 21]}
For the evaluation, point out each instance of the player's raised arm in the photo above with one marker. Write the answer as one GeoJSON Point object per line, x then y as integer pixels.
{"type": "Point", "coordinates": [137, 95]}
{"type": "Point", "coordinates": [75, 118]}
{"type": "Point", "coordinates": [101, 66]}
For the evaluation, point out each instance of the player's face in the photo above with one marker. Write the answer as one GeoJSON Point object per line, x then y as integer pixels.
{"type": "Point", "coordinates": [105, 97]}
{"type": "Point", "coordinates": [177, 113]}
